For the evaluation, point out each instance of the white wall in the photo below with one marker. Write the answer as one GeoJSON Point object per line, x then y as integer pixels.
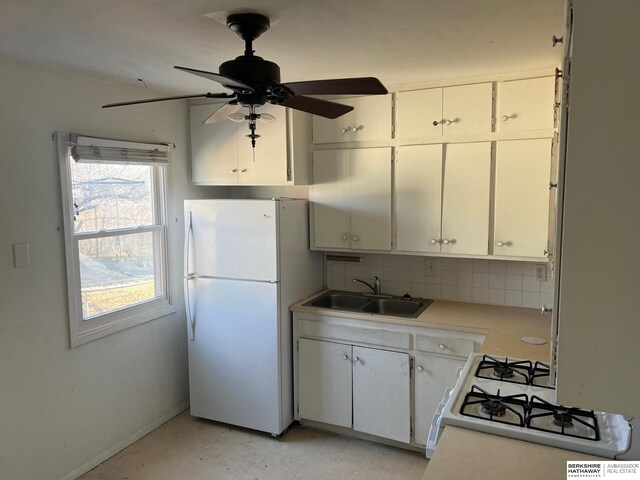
{"type": "Point", "coordinates": [60, 408]}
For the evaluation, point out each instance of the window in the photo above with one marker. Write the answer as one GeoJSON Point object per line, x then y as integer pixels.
{"type": "Point", "coordinates": [113, 196]}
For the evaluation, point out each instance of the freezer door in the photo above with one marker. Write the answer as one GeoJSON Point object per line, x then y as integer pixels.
{"type": "Point", "coordinates": [234, 374]}
{"type": "Point", "coordinates": [233, 239]}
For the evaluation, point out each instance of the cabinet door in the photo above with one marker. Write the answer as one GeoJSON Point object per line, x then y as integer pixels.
{"type": "Point", "coordinates": [381, 386]}
{"type": "Point", "coordinates": [465, 207]}
{"type": "Point", "coordinates": [330, 199]}
{"type": "Point", "coordinates": [324, 382]}
{"type": "Point", "coordinates": [371, 118]}
{"type": "Point", "coordinates": [522, 197]}
{"type": "Point", "coordinates": [416, 111]}
{"type": "Point", "coordinates": [432, 376]}
{"type": "Point", "coordinates": [467, 109]}
{"type": "Point", "coordinates": [419, 197]}
{"type": "Point", "coordinates": [370, 198]}
{"type": "Point", "coordinates": [526, 104]}
{"type": "Point", "coordinates": [267, 163]}
{"type": "Point", "coordinates": [214, 151]}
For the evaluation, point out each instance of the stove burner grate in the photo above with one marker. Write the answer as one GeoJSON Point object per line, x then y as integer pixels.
{"type": "Point", "coordinates": [507, 371]}
{"type": "Point", "coordinates": [493, 408]}
{"type": "Point", "coordinates": [563, 417]}
{"type": "Point", "coordinates": [479, 403]}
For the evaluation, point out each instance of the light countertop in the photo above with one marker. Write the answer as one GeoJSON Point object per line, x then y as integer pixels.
{"type": "Point", "coordinates": [502, 326]}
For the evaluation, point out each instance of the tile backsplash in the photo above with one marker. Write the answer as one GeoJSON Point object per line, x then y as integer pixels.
{"type": "Point", "coordinates": [478, 281]}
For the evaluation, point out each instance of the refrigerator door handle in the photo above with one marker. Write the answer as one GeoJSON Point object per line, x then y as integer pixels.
{"type": "Point", "coordinates": [187, 277]}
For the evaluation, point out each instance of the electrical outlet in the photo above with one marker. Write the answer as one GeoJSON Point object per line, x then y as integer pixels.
{"type": "Point", "coordinates": [541, 272]}
{"type": "Point", "coordinates": [431, 265]}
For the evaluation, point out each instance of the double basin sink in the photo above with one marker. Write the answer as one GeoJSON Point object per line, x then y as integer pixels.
{"type": "Point", "coordinates": [371, 303]}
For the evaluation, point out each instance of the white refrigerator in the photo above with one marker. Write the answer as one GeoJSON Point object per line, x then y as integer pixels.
{"type": "Point", "coordinates": [246, 262]}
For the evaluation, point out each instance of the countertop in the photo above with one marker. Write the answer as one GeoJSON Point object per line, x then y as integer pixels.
{"type": "Point", "coordinates": [502, 326]}
{"type": "Point", "coordinates": [463, 453]}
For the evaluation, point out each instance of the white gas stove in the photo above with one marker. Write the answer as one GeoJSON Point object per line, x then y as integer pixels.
{"type": "Point", "coordinates": [513, 398]}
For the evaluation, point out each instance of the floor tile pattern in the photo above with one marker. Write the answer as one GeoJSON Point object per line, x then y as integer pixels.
{"type": "Point", "coordinates": [188, 448]}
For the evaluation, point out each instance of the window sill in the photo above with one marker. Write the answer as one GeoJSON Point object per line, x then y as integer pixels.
{"type": "Point", "coordinates": [87, 332]}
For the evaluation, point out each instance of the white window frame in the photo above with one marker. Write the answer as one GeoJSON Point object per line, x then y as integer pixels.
{"type": "Point", "coordinates": [82, 331]}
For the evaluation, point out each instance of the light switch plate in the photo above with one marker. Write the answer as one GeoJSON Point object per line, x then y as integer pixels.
{"type": "Point", "coordinates": [21, 255]}
{"type": "Point", "coordinates": [431, 267]}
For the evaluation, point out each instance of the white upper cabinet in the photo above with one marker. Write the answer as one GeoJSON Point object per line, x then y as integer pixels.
{"type": "Point", "coordinates": [418, 197]}
{"type": "Point", "coordinates": [465, 207]}
{"type": "Point", "coordinates": [522, 197]}
{"type": "Point", "coordinates": [370, 120]}
{"type": "Point", "coordinates": [465, 109]}
{"type": "Point", "coordinates": [419, 113]}
{"type": "Point", "coordinates": [221, 154]}
{"type": "Point", "coordinates": [526, 104]}
{"type": "Point", "coordinates": [351, 199]}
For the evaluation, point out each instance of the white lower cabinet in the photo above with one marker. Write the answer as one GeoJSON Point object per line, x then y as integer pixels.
{"type": "Point", "coordinates": [433, 375]}
{"type": "Point", "coordinates": [359, 376]}
{"type": "Point", "coordinates": [324, 374]}
{"type": "Point", "coordinates": [381, 393]}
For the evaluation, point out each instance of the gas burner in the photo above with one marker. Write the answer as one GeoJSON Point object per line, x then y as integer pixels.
{"type": "Point", "coordinates": [568, 421]}
{"type": "Point", "coordinates": [562, 419]}
{"type": "Point", "coordinates": [493, 407]}
{"type": "Point", "coordinates": [509, 409]}
{"type": "Point", "coordinates": [502, 371]}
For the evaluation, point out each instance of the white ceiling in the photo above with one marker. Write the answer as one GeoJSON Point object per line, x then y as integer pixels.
{"type": "Point", "coordinates": [402, 41]}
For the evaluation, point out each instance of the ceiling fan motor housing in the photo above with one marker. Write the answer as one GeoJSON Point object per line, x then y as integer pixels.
{"type": "Point", "coordinates": [258, 73]}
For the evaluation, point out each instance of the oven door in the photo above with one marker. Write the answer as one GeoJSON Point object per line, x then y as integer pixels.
{"type": "Point", "coordinates": [436, 429]}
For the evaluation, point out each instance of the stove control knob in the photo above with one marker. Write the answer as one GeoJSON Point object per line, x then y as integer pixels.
{"type": "Point", "coordinates": [442, 346]}
{"type": "Point", "coordinates": [420, 369]}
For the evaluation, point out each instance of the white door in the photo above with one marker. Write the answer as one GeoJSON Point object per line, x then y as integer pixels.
{"type": "Point", "coordinates": [371, 118]}
{"type": "Point", "coordinates": [381, 393]}
{"type": "Point", "coordinates": [324, 382]}
{"type": "Point", "coordinates": [214, 152]}
{"type": "Point", "coordinates": [418, 197]}
{"type": "Point", "coordinates": [526, 104]}
{"type": "Point", "coordinates": [233, 238]}
{"type": "Point", "coordinates": [267, 163]}
{"type": "Point", "coordinates": [433, 375]}
{"type": "Point", "coordinates": [416, 113]}
{"type": "Point", "coordinates": [465, 207]}
{"type": "Point", "coordinates": [467, 109]}
{"type": "Point", "coordinates": [522, 197]}
{"type": "Point", "coordinates": [370, 198]}
{"type": "Point", "coordinates": [233, 359]}
{"type": "Point", "coordinates": [329, 195]}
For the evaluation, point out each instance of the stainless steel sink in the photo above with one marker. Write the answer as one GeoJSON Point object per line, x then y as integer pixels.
{"type": "Point", "coordinates": [395, 307]}
{"type": "Point", "coordinates": [371, 304]}
{"type": "Point", "coordinates": [340, 301]}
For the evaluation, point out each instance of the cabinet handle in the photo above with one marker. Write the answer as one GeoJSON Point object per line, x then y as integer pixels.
{"type": "Point", "coordinates": [556, 40]}
{"type": "Point", "coordinates": [505, 118]}
{"type": "Point", "coordinates": [433, 241]}
{"type": "Point", "coordinates": [346, 129]}
{"type": "Point", "coordinates": [345, 357]}
{"type": "Point", "coordinates": [345, 237]}
{"type": "Point", "coordinates": [356, 359]}
{"type": "Point", "coordinates": [437, 122]}
{"type": "Point", "coordinates": [244, 170]}
{"type": "Point", "coordinates": [447, 122]}
{"type": "Point", "coordinates": [233, 170]}
{"type": "Point", "coordinates": [354, 238]}
{"type": "Point", "coordinates": [447, 241]}
{"type": "Point", "coordinates": [420, 369]}
{"type": "Point", "coordinates": [503, 244]}
{"type": "Point", "coordinates": [442, 346]}
{"type": "Point", "coordinates": [546, 310]}
{"type": "Point", "coordinates": [355, 129]}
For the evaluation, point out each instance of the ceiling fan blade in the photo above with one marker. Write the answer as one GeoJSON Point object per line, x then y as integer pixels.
{"type": "Point", "coordinates": [339, 86]}
{"type": "Point", "coordinates": [163, 99]}
{"type": "Point", "coordinates": [316, 106]}
{"type": "Point", "coordinates": [222, 113]}
{"type": "Point", "coordinates": [216, 77]}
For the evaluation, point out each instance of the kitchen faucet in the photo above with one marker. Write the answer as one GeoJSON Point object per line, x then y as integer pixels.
{"type": "Point", "coordinates": [376, 288]}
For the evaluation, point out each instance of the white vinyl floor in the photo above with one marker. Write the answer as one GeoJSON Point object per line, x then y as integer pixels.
{"type": "Point", "coordinates": [187, 448]}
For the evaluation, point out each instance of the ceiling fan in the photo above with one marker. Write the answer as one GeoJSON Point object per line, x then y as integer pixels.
{"type": "Point", "coordinates": [256, 81]}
